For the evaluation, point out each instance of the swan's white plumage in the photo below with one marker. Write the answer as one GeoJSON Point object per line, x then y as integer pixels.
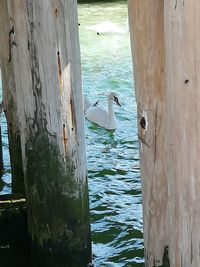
{"type": "Point", "coordinates": [101, 116]}
{"type": "Point", "coordinates": [107, 27]}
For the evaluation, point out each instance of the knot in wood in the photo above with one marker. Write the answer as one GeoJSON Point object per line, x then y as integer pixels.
{"type": "Point", "coordinates": [186, 81]}
{"type": "Point", "coordinates": [56, 12]}
{"type": "Point", "coordinates": [143, 123]}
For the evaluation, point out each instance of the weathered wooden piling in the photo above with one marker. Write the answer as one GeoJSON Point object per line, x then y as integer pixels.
{"type": "Point", "coordinates": [45, 55]}
{"type": "Point", "coordinates": [165, 41]}
{"type": "Point", "coordinates": [182, 57]}
{"type": "Point", "coordinates": [147, 32]}
{"type": "Point", "coordinates": [9, 98]}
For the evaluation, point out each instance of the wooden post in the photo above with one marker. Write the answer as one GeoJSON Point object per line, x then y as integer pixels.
{"type": "Point", "coordinates": [182, 42]}
{"type": "Point", "coordinates": [9, 99]}
{"type": "Point", "coordinates": [165, 41]}
{"type": "Point", "coordinates": [147, 36]}
{"type": "Point", "coordinates": [46, 64]}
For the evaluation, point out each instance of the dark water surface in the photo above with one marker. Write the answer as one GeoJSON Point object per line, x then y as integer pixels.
{"type": "Point", "coordinates": [113, 156]}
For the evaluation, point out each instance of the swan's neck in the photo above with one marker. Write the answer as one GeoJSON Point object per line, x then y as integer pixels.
{"type": "Point", "coordinates": [110, 108]}
{"type": "Point", "coordinates": [112, 122]}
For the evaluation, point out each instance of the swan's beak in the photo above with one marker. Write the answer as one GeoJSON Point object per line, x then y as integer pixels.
{"type": "Point", "coordinates": [117, 101]}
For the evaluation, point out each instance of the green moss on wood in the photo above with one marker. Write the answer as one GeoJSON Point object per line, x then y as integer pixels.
{"type": "Point", "coordinates": [16, 163]}
{"type": "Point", "coordinates": [57, 203]}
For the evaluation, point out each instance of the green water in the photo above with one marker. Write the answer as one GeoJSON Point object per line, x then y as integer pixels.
{"type": "Point", "coordinates": [113, 157]}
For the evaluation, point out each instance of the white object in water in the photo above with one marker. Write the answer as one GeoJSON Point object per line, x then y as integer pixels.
{"type": "Point", "coordinates": [108, 27]}
{"type": "Point", "coordinates": [101, 116]}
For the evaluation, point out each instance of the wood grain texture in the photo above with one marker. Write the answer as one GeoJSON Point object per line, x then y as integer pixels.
{"type": "Point", "coordinates": [182, 40]}
{"type": "Point", "coordinates": [147, 39]}
{"type": "Point", "coordinates": [47, 71]}
{"type": "Point", "coordinates": [165, 44]}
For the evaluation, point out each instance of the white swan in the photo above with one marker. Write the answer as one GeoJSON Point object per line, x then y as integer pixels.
{"type": "Point", "coordinates": [108, 27]}
{"type": "Point", "coordinates": [101, 116]}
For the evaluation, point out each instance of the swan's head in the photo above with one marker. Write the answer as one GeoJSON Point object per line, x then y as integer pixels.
{"type": "Point", "coordinates": [113, 96]}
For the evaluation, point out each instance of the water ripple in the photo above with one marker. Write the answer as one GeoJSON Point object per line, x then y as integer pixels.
{"type": "Point", "coordinates": [113, 156]}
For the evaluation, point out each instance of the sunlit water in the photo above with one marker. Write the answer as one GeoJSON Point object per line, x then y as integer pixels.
{"type": "Point", "coordinates": [113, 156]}
{"type": "Point", "coordinates": [5, 181]}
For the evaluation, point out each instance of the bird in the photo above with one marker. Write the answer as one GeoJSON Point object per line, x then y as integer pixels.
{"type": "Point", "coordinates": [108, 27]}
{"type": "Point", "coordinates": [101, 116]}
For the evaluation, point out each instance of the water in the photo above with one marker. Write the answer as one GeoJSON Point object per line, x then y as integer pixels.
{"type": "Point", "coordinates": [113, 156]}
{"type": "Point", "coordinates": [5, 181]}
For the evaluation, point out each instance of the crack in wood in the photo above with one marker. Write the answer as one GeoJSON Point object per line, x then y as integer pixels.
{"type": "Point", "coordinates": [73, 114]}
{"type": "Point", "coordinates": [59, 71]}
{"type": "Point", "coordinates": [11, 43]}
{"type": "Point", "coordinates": [29, 45]}
{"type": "Point", "coordinates": [56, 12]}
{"type": "Point", "coordinates": [191, 255]}
{"type": "Point", "coordinates": [155, 133]}
{"type": "Point", "coordinates": [65, 137]}
{"type": "Point", "coordinates": [176, 4]}
{"type": "Point", "coordinates": [143, 141]}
